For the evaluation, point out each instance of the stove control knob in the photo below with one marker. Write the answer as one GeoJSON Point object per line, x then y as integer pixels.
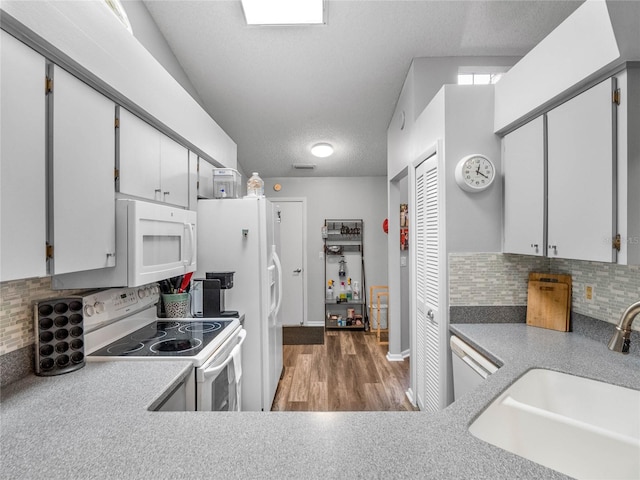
{"type": "Point", "coordinates": [89, 310]}
{"type": "Point", "coordinates": [99, 307]}
{"type": "Point", "coordinates": [141, 293]}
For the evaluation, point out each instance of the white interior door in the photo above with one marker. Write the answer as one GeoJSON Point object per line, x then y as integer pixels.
{"type": "Point", "coordinates": [426, 285]}
{"type": "Point", "coordinates": [292, 311]}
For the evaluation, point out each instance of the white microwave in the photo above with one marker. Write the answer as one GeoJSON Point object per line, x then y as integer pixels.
{"type": "Point", "coordinates": [153, 242]}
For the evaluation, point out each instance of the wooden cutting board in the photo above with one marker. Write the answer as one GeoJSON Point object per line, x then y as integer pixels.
{"type": "Point", "coordinates": [549, 301]}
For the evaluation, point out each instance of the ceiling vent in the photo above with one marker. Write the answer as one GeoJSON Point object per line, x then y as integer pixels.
{"type": "Point", "coordinates": [304, 166]}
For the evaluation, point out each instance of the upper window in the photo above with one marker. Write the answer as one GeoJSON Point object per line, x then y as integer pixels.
{"type": "Point", "coordinates": [118, 10]}
{"type": "Point", "coordinates": [480, 75]}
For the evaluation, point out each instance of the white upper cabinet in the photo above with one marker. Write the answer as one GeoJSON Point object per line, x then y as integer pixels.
{"type": "Point", "coordinates": [581, 176]}
{"type": "Point", "coordinates": [193, 180]}
{"type": "Point", "coordinates": [83, 159]}
{"type": "Point", "coordinates": [205, 179]}
{"type": "Point", "coordinates": [152, 165]}
{"type": "Point", "coordinates": [174, 172]}
{"type": "Point", "coordinates": [139, 157]}
{"type": "Point", "coordinates": [523, 157]}
{"type": "Point", "coordinates": [22, 161]}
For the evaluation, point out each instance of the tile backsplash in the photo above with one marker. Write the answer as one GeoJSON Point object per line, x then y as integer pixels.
{"type": "Point", "coordinates": [16, 310]}
{"type": "Point", "coordinates": [490, 279]}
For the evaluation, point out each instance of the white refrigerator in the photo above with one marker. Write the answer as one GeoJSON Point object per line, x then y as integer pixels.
{"type": "Point", "coordinates": [243, 236]}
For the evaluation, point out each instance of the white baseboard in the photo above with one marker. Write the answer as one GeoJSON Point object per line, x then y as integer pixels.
{"type": "Point", "coordinates": [395, 357]}
{"type": "Point", "coordinates": [410, 396]}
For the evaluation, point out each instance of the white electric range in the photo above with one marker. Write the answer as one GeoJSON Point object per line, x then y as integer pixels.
{"type": "Point", "coordinates": [122, 324]}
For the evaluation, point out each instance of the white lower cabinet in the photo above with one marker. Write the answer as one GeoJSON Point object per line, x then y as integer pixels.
{"type": "Point", "coordinates": [152, 165]}
{"type": "Point", "coordinates": [23, 222]}
{"type": "Point", "coordinates": [82, 211]}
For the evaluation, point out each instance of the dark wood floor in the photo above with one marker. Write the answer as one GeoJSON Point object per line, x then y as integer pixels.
{"type": "Point", "coordinates": [350, 372]}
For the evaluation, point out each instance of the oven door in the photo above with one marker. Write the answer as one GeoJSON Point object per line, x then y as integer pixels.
{"type": "Point", "coordinates": [218, 381]}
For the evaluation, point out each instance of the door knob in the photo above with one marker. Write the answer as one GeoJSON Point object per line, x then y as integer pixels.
{"type": "Point", "coordinates": [430, 314]}
{"type": "Point", "coordinates": [297, 270]}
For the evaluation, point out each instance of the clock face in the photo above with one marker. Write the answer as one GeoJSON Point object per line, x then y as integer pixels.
{"type": "Point", "coordinates": [475, 173]}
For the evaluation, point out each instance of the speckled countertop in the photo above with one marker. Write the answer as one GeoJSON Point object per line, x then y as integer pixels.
{"type": "Point", "coordinates": [95, 423]}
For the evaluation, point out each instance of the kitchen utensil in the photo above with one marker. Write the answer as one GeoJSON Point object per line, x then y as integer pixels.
{"type": "Point", "coordinates": [549, 301]}
{"type": "Point", "coordinates": [59, 330]}
{"type": "Point", "coordinates": [185, 282]}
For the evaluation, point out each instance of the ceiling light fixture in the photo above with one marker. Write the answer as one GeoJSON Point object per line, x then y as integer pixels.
{"type": "Point", "coordinates": [283, 12]}
{"type": "Point", "coordinates": [322, 150]}
{"type": "Point", "coordinates": [304, 166]}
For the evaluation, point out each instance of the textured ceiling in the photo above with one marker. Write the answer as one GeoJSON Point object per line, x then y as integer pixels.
{"type": "Point", "coordinates": [278, 90]}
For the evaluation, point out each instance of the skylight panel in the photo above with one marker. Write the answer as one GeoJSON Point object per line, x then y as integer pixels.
{"type": "Point", "coordinates": [283, 12]}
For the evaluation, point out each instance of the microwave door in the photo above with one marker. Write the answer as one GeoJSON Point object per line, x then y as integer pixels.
{"type": "Point", "coordinates": [163, 240]}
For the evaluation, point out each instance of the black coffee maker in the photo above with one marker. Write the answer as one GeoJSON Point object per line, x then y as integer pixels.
{"type": "Point", "coordinates": [213, 290]}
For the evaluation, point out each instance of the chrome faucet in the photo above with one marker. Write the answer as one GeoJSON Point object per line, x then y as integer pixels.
{"type": "Point", "coordinates": [620, 341]}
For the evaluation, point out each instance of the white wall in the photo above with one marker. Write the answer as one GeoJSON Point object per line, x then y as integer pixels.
{"type": "Point", "coordinates": [591, 41]}
{"type": "Point", "coordinates": [148, 34]}
{"type": "Point", "coordinates": [352, 197]}
{"type": "Point", "coordinates": [425, 78]}
{"type": "Point", "coordinates": [86, 39]}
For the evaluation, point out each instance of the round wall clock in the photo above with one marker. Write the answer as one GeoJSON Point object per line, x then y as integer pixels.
{"type": "Point", "coordinates": [475, 173]}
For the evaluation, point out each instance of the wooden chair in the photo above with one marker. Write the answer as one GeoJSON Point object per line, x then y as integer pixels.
{"type": "Point", "coordinates": [377, 292]}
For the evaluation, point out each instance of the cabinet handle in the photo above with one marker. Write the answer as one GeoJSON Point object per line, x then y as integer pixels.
{"type": "Point", "coordinates": [164, 198]}
{"type": "Point", "coordinates": [430, 314]}
{"type": "Point", "coordinates": [297, 270]}
{"type": "Point", "coordinates": [157, 190]}
{"type": "Point", "coordinates": [535, 247]}
{"type": "Point", "coordinates": [555, 249]}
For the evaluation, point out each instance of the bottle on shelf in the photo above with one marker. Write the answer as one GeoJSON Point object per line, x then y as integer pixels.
{"type": "Point", "coordinates": [356, 290]}
{"type": "Point", "coordinates": [342, 270]}
{"type": "Point", "coordinates": [343, 293]}
{"type": "Point", "coordinates": [330, 290]}
{"type": "Point", "coordinates": [255, 186]}
{"type": "Point", "coordinates": [349, 290]}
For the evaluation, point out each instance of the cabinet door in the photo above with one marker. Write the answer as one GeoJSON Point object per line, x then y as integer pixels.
{"type": "Point", "coordinates": [174, 172]}
{"type": "Point", "coordinates": [139, 156]}
{"type": "Point", "coordinates": [83, 160]}
{"type": "Point", "coordinates": [524, 189]}
{"type": "Point", "coordinates": [581, 180]}
{"type": "Point", "coordinates": [429, 362]}
{"type": "Point", "coordinates": [193, 181]}
{"type": "Point", "coordinates": [23, 222]}
{"type": "Point", "coordinates": [205, 179]}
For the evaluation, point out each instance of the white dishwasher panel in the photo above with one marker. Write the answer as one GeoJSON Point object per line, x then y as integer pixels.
{"type": "Point", "coordinates": [470, 368]}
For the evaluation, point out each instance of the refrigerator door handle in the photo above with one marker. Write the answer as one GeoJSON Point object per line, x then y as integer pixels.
{"type": "Point", "coordinates": [276, 261]}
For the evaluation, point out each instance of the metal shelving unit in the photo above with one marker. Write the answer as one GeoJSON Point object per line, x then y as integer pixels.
{"type": "Point", "coordinates": [343, 245]}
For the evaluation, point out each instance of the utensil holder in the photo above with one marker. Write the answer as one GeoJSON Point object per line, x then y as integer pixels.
{"type": "Point", "coordinates": [176, 305]}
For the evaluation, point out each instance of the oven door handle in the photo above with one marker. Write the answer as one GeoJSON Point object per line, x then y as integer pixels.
{"type": "Point", "coordinates": [213, 371]}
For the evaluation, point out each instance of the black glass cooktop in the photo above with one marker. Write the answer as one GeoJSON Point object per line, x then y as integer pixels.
{"type": "Point", "coordinates": [166, 338]}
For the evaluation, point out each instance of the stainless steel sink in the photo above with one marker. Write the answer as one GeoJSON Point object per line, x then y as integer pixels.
{"type": "Point", "coordinates": [580, 427]}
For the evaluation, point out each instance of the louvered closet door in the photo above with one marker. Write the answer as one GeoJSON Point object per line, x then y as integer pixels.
{"type": "Point", "coordinates": [427, 277]}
